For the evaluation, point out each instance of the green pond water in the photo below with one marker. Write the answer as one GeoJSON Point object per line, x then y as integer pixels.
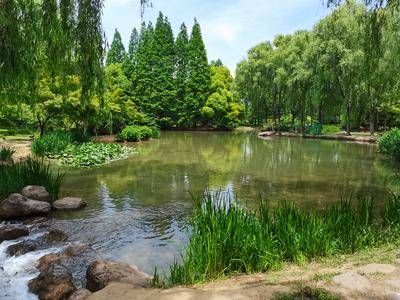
{"type": "Point", "coordinates": [138, 207]}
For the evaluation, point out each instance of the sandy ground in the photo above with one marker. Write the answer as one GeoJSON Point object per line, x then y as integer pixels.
{"type": "Point", "coordinates": [22, 147]}
{"type": "Point", "coordinates": [373, 274]}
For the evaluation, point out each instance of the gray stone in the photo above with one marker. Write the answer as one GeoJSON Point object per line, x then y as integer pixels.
{"type": "Point", "coordinates": [377, 268]}
{"type": "Point", "coordinates": [12, 232]}
{"type": "Point", "coordinates": [394, 296]}
{"type": "Point", "coordinates": [100, 273]}
{"type": "Point", "coordinates": [393, 283]}
{"type": "Point", "coordinates": [68, 203]}
{"type": "Point", "coordinates": [352, 281]}
{"type": "Point", "coordinates": [36, 192]}
{"type": "Point", "coordinates": [16, 206]}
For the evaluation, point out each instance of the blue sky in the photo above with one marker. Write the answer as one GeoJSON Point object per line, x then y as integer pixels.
{"type": "Point", "coordinates": [229, 27]}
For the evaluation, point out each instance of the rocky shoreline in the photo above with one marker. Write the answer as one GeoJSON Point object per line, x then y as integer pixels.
{"type": "Point", "coordinates": [347, 138]}
{"type": "Point", "coordinates": [68, 270]}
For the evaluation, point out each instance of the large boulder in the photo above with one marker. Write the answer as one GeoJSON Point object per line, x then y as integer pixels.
{"type": "Point", "coordinates": [16, 206]}
{"type": "Point", "coordinates": [12, 232]}
{"type": "Point", "coordinates": [53, 283]}
{"type": "Point", "coordinates": [55, 235]}
{"type": "Point", "coordinates": [36, 192]}
{"type": "Point", "coordinates": [80, 294]}
{"type": "Point", "coordinates": [100, 273]}
{"type": "Point", "coordinates": [69, 203]}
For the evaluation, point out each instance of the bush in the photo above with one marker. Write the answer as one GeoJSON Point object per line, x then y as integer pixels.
{"type": "Point", "coordinates": [138, 133]}
{"type": "Point", "coordinates": [92, 154]}
{"type": "Point", "coordinates": [330, 129]}
{"type": "Point", "coordinates": [226, 239]}
{"type": "Point", "coordinates": [51, 144]}
{"type": "Point", "coordinates": [15, 176]}
{"type": "Point", "coordinates": [389, 144]}
{"type": "Point", "coordinates": [6, 153]}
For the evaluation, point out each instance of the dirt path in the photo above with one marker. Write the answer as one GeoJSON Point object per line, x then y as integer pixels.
{"type": "Point", "coordinates": [22, 147]}
{"type": "Point", "coordinates": [373, 274]}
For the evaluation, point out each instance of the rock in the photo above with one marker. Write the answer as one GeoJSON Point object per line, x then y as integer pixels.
{"type": "Point", "coordinates": [56, 235]}
{"type": "Point", "coordinates": [377, 268]}
{"type": "Point", "coordinates": [46, 261]}
{"type": "Point", "coordinates": [74, 250]}
{"type": "Point", "coordinates": [69, 203]}
{"type": "Point", "coordinates": [22, 248]}
{"type": "Point", "coordinates": [17, 205]}
{"type": "Point", "coordinates": [395, 283]}
{"type": "Point", "coordinates": [36, 192]}
{"type": "Point", "coordinates": [80, 294]}
{"type": "Point", "coordinates": [394, 296]}
{"type": "Point", "coordinates": [12, 232]}
{"type": "Point", "coordinates": [352, 281]}
{"type": "Point", "coordinates": [100, 273]}
{"type": "Point", "coordinates": [53, 283]}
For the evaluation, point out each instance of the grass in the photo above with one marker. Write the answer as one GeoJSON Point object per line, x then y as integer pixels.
{"type": "Point", "coordinates": [325, 276]}
{"type": "Point", "coordinates": [30, 171]}
{"type": "Point", "coordinates": [227, 239]}
{"type": "Point", "coordinates": [51, 144]}
{"type": "Point", "coordinates": [307, 293]}
{"type": "Point", "coordinates": [6, 154]}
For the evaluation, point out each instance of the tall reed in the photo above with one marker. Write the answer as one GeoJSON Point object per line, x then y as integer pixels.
{"type": "Point", "coordinates": [227, 239]}
{"type": "Point", "coordinates": [30, 171]}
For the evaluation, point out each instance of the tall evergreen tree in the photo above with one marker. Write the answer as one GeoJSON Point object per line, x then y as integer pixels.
{"type": "Point", "coordinates": [133, 43]}
{"type": "Point", "coordinates": [181, 63]}
{"type": "Point", "coordinates": [117, 50]}
{"type": "Point", "coordinates": [164, 66]}
{"type": "Point", "coordinates": [199, 80]}
{"type": "Point", "coordinates": [143, 70]}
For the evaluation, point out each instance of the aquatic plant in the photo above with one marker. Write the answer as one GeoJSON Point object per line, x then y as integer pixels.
{"type": "Point", "coordinates": [92, 154]}
{"type": "Point", "coordinates": [227, 239]}
{"type": "Point", "coordinates": [30, 171]}
{"type": "Point", "coordinates": [6, 153]}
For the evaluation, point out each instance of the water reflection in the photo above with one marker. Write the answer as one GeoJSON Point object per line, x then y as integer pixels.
{"type": "Point", "coordinates": [138, 207]}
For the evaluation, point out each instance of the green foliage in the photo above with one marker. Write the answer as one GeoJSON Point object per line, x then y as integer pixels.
{"type": "Point", "coordinates": [138, 133]}
{"type": "Point", "coordinates": [117, 53]}
{"type": "Point", "coordinates": [389, 144]}
{"type": "Point", "coordinates": [226, 239]}
{"type": "Point", "coordinates": [330, 129]}
{"type": "Point", "coordinates": [6, 154]}
{"type": "Point", "coordinates": [51, 144]}
{"type": "Point", "coordinates": [199, 79]}
{"type": "Point", "coordinates": [345, 66]}
{"type": "Point", "coordinates": [221, 110]}
{"type": "Point", "coordinates": [92, 154]}
{"type": "Point", "coordinates": [15, 176]}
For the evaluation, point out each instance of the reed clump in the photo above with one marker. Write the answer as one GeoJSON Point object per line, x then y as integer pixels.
{"type": "Point", "coordinates": [227, 239]}
{"type": "Point", "coordinates": [30, 171]}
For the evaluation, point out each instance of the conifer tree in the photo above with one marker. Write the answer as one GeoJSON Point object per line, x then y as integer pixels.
{"type": "Point", "coordinates": [199, 79]}
{"type": "Point", "coordinates": [181, 63]}
{"type": "Point", "coordinates": [117, 50]}
{"type": "Point", "coordinates": [143, 70]}
{"type": "Point", "coordinates": [164, 66]}
{"type": "Point", "coordinates": [133, 43]}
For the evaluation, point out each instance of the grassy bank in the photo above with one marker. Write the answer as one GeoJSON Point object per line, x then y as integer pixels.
{"type": "Point", "coordinates": [227, 239]}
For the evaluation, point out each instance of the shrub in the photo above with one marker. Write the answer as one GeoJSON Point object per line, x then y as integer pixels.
{"type": "Point", "coordinates": [138, 133]}
{"type": "Point", "coordinates": [15, 176]}
{"type": "Point", "coordinates": [330, 129]}
{"type": "Point", "coordinates": [6, 153]}
{"type": "Point", "coordinates": [389, 144]}
{"type": "Point", "coordinates": [92, 154]}
{"type": "Point", "coordinates": [51, 144]}
{"type": "Point", "coordinates": [227, 239]}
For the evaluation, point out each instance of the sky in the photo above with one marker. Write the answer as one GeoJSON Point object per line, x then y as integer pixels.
{"type": "Point", "coordinates": [229, 27]}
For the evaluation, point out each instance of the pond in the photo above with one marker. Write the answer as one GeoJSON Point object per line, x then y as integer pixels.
{"type": "Point", "coordinates": [138, 207]}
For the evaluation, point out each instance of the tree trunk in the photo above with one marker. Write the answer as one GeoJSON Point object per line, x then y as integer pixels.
{"type": "Point", "coordinates": [372, 122]}
{"type": "Point", "coordinates": [348, 119]}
